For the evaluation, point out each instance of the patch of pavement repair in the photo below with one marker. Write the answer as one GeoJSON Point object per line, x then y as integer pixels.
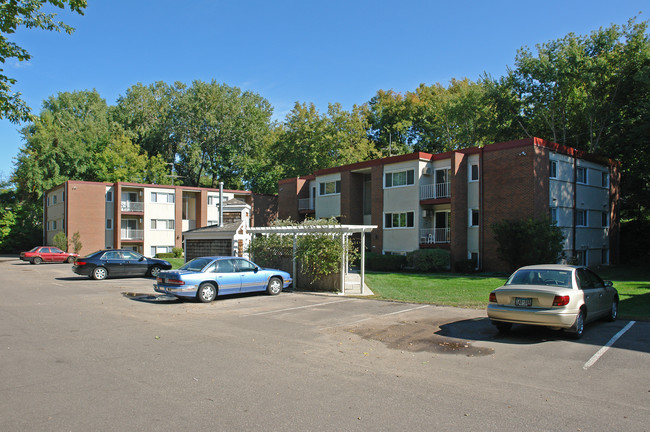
{"type": "Point", "coordinates": [150, 298]}
{"type": "Point", "coordinates": [419, 336]}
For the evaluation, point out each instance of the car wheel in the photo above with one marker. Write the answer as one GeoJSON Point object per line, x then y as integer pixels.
{"type": "Point", "coordinates": [37, 260]}
{"type": "Point", "coordinates": [206, 293]}
{"type": "Point", "coordinates": [154, 271]}
{"type": "Point", "coordinates": [613, 312]}
{"type": "Point", "coordinates": [99, 273]}
{"type": "Point", "coordinates": [503, 327]}
{"type": "Point", "coordinates": [274, 287]}
{"type": "Point", "coordinates": [578, 328]}
{"type": "Point", "coordinates": [70, 260]}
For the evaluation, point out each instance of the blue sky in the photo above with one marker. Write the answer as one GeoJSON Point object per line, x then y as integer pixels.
{"type": "Point", "coordinates": [287, 51]}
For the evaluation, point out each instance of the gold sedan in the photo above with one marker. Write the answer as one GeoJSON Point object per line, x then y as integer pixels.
{"type": "Point", "coordinates": [556, 296]}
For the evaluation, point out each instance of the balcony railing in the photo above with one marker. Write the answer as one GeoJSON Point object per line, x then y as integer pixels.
{"type": "Point", "coordinates": [132, 234]}
{"type": "Point", "coordinates": [132, 206]}
{"type": "Point", "coordinates": [435, 191]}
{"type": "Point", "coordinates": [435, 235]}
{"type": "Point", "coordinates": [306, 204]}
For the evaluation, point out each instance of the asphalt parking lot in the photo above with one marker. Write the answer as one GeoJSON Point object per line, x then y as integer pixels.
{"type": "Point", "coordinates": [84, 355]}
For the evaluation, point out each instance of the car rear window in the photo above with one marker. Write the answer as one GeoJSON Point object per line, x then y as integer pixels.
{"type": "Point", "coordinates": [560, 278]}
{"type": "Point", "coordinates": [196, 264]}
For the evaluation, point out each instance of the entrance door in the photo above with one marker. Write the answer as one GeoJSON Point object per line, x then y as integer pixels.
{"type": "Point", "coordinates": [441, 226]}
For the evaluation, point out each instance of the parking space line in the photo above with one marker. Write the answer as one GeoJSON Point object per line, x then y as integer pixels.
{"type": "Point", "coordinates": [604, 349]}
{"type": "Point", "coordinates": [378, 316]}
{"type": "Point", "coordinates": [298, 307]}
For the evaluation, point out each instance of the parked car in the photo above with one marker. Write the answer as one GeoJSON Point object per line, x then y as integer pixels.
{"type": "Point", "coordinates": [556, 296]}
{"type": "Point", "coordinates": [118, 262]}
{"type": "Point", "coordinates": [208, 277]}
{"type": "Point", "coordinates": [41, 254]}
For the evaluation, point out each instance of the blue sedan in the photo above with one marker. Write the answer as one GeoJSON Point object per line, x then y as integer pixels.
{"type": "Point", "coordinates": [207, 277]}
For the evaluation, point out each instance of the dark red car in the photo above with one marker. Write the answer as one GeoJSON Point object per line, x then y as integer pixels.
{"type": "Point", "coordinates": [47, 254]}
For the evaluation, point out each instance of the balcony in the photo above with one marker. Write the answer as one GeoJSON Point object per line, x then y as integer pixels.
{"type": "Point", "coordinates": [435, 191]}
{"type": "Point", "coordinates": [435, 235]}
{"type": "Point", "coordinates": [306, 204]}
{"type": "Point", "coordinates": [133, 206]}
{"type": "Point", "coordinates": [132, 234]}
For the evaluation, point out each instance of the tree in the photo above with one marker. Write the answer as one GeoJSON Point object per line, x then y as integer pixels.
{"type": "Point", "coordinates": [60, 240]}
{"type": "Point", "coordinates": [28, 14]}
{"type": "Point", "coordinates": [528, 241]}
{"type": "Point", "coordinates": [390, 122]}
{"type": "Point", "coordinates": [219, 127]}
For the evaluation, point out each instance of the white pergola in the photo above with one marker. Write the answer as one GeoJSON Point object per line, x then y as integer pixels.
{"type": "Point", "coordinates": [344, 231]}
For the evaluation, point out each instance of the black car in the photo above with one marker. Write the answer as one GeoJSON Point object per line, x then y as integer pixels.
{"type": "Point", "coordinates": [118, 262]}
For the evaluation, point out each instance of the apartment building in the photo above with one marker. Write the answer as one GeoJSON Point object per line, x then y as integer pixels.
{"type": "Point", "coordinates": [147, 218]}
{"type": "Point", "coordinates": [450, 200]}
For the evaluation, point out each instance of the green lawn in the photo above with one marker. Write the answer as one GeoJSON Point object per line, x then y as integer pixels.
{"type": "Point", "coordinates": [176, 262]}
{"type": "Point", "coordinates": [472, 291]}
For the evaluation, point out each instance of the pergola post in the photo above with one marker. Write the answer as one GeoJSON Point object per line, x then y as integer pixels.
{"type": "Point", "coordinates": [363, 262]}
{"type": "Point", "coordinates": [343, 263]}
{"type": "Point", "coordinates": [293, 260]}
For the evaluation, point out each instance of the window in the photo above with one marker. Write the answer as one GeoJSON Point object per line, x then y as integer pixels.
{"type": "Point", "coordinates": [473, 173]}
{"type": "Point", "coordinates": [162, 224]}
{"type": "Point", "coordinates": [53, 225]}
{"type": "Point", "coordinates": [213, 222]}
{"type": "Point", "coordinates": [330, 188]}
{"type": "Point", "coordinates": [473, 217]}
{"type": "Point", "coordinates": [553, 215]}
{"type": "Point", "coordinates": [48, 201]}
{"type": "Point", "coordinates": [162, 197]}
{"type": "Point", "coordinates": [581, 175]}
{"type": "Point", "coordinates": [109, 196]}
{"type": "Point", "coordinates": [581, 217]}
{"type": "Point", "coordinates": [552, 169]}
{"type": "Point", "coordinates": [245, 266]}
{"type": "Point", "coordinates": [213, 200]}
{"type": "Point", "coordinates": [604, 179]}
{"type": "Point", "coordinates": [160, 249]}
{"type": "Point", "coordinates": [109, 224]}
{"type": "Point", "coordinates": [398, 220]}
{"type": "Point", "coordinates": [604, 219]}
{"type": "Point", "coordinates": [399, 178]}
{"type": "Point", "coordinates": [54, 199]}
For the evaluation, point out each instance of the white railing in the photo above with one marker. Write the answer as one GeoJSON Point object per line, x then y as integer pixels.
{"type": "Point", "coordinates": [132, 206]}
{"type": "Point", "coordinates": [435, 235]}
{"type": "Point", "coordinates": [132, 234]}
{"type": "Point", "coordinates": [435, 191]}
{"type": "Point", "coordinates": [306, 204]}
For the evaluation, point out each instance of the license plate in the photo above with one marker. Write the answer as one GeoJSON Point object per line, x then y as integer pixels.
{"type": "Point", "coordinates": [523, 301]}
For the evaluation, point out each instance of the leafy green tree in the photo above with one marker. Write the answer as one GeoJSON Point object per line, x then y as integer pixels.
{"type": "Point", "coordinates": [529, 241]}
{"type": "Point", "coordinates": [390, 120]}
{"type": "Point", "coordinates": [219, 128]}
{"type": "Point", "coordinates": [123, 161]}
{"type": "Point", "coordinates": [29, 14]}
{"type": "Point", "coordinates": [458, 116]}
{"type": "Point", "coordinates": [148, 113]}
{"type": "Point", "coordinates": [63, 142]}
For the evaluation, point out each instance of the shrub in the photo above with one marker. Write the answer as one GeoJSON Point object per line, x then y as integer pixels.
{"type": "Point", "coordinates": [177, 252]}
{"type": "Point", "coordinates": [428, 260]}
{"type": "Point", "coordinates": [165, 255]}
{"type": "Point", "coordinates": [528, 241]}
{"type": "Point", "coordinates": [466, 266]}
{"type": "Point", "coordinates": [60, 241]}
{"type": "Point", "coordinates": [379, 262]}
{"type": "Point", "coordinates": [76, 242]}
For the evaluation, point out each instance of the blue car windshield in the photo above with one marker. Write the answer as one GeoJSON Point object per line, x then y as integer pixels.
{"type": "Point", "coordinates": [196, 264]}
{"type": "Point", "coordinates": [560, 278]}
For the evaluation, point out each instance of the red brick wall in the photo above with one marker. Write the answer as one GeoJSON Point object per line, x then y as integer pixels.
{"type": "Point", "coordinates": [289, 191]}
{"type": "Point", "coordinates": [458, 208]}
{"type": "Point", "coordinates": [508, 193]}
{"type": "Point", "coordinates": [265, 209]}
{"type": "Point", "coordinates": [351, 198]}
{"type": "Point", "coordinates": [86, 204]}
{"type": "Point", "coordinates": [377, 208]}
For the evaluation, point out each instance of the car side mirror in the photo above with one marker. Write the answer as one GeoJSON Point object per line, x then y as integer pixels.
{"type": "Point", "coordinates": [608, 283]}
{"type": "Point", "coordinates": [256, 269]}
{"type": "Point", "coordinates": [142, 258]}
